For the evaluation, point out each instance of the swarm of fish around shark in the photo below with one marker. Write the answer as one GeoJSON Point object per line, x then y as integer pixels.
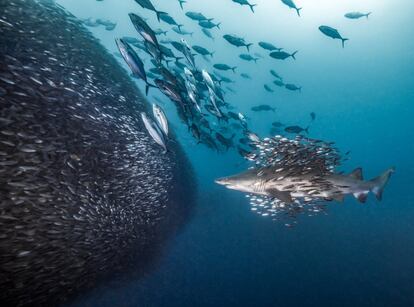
{"type": "Point", "coordinates": [300, 155]}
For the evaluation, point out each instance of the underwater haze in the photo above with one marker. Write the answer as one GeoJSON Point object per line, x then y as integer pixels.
{"type": "Point", "coordinates": [360, 96]}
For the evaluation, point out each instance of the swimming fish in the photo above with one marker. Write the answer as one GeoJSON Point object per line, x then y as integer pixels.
{"type": "Point", "coordinates": [267, 88]}
{"type": "Point", "coordinates": [292, 5]}
{"type": "Point", "coordinates": [154, 131]}
{"type": "Point", "coordinates": [161, 118]}
{"type": "Point", "coordinates": [263, 107]}
{"type": "Point", "coordinates": [143, 29]}
{"type": "Point", "coordinates": [168, 19]}
{"type": "Point", "coordinates": [133, 61]}
{"type": "Point", "coordinates": [333, 33]}
{"type": "Point", "coordinates": [224, 67]}
{"type": "Point", "coordinates": [146, 4]}
{"type": "Point", "coordinates": [208, 24]}
{"type": "Point", "coordinates": [357, 15]}
{"type": "Point", "coordinates": [293, 87]}
{"type": "Point", "coordinates": [237, 41]}
{"type": "Point", "coordinates": [247, 57]}
{"type": "Point", "coordinates": [269, 46]}
{"type": "Point", "coordinates": [282, 55]}
{"type": "Point", "coordinates": [296, 129]}
{"type": "Point", "coordinates": [245, 2]}
{"type": "Point", "coordinates": [202, 50]}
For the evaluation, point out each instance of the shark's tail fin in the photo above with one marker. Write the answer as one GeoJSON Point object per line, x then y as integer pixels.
{"type": "Point", "coordinates": [379, 183]}
{"type": "Point", "coordinates": [298, 11]}
{"type": "Point", "coordinates": [343, 41]}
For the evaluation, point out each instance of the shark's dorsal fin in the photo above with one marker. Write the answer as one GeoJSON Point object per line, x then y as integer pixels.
{"type": "Point", "coordinates": [338, 197]}
{"type": "Point", "coordinates": [281, 195]}
{"type": "Point", "coordinates": [356, 174]}
{"type": "Point", "coordinates": [361, 196]}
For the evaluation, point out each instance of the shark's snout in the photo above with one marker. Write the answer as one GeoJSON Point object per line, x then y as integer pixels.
{"type": "Point", "coordinates": [222, 181]}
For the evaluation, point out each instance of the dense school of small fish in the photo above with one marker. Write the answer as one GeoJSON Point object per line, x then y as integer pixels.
{"type": "Point", "coordinates": [84, 191]}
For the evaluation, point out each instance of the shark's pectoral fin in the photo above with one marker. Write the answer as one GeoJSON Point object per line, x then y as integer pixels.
{"type": "Point", "coordinates": [281, 195]}
{"type": "Point", "coordinates": [356, 174]}
{"type": "Point", "coordinates": [361, 196]}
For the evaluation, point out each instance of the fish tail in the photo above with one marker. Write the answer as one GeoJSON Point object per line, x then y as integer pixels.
{"type": "Point", "coordinates": [343, 41]}
{"type": "Point", "coordinates": [255, 60]}
{"type": "Point", "coordinates": [234, 69]}
{"type": "Point", "coordinates": [298, 11]}
{"type": "Point", "coordinates": [179, 27]}
{"type": "Point", "coordinates": [218, 25]}
{"type": "Point", "coordinates": [293, 54]}
{"type": "Point", "coordinates": [307, 130]}
{"type": "Point", "coordinates": [378, 183]}
{"type": "Point", "coordinates": [252, 6]}
{"type": "Point", "coordinates": [158, 14]}
{"type": "Point", "coordinates": [210, 19]}
{"type": "Point", "coordinates": [368, 14]}
{"type": "Point", "coordinates": [248, 46]}
{"type": "Point", "coordinates": [212, 53]}
{"type": "Point", "coordinates": [181, 4]}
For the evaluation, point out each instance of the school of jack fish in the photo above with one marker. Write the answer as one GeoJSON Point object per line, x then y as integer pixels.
{"type": "Point", "coordinates": [305, 176]}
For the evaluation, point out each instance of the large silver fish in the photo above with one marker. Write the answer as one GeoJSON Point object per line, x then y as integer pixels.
{"type": "Point", "coordinates": [161, 118]}
{"type": "Point", "coordinates": [153, 131]}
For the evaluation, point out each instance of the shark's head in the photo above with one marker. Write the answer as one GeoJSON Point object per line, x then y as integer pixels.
{"type": "Point", "coordinates": [244, 182]}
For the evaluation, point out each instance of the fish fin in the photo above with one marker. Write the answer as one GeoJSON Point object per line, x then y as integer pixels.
{"type": "Point", "coordinates": [218, 25]}
{"type": "Point", "coordinates": [293, 54]}
{"type": "Point", "coordinates": [356, 174]}
{"type": "Point", "coordinates": [343, 41]}
{"type": "Point", "coordinates": [255, 60]}
{"type": "Point", "coordinates": [146, 89]}
{"type": "Point", "coordinates": [368, 14]}
{"type": "Point", "coordinates": [234, 69]}
{"type": "Point", "coordinates": [379, 183]}
{"type": "Point", "coordinates": [252, 6]}
{"type": "Point", "coordinates": [179, 27]}
{"type": "Point", "coordinates": [248, 46]}
{"type": "Point", "coordinates": [281, 195]}
{"type": "Point", "coordinates": [298, 11]}
{"type": "Point", "coordinates": [212, 53]}
{"type": "Point", "coordinates": [307, 130]}
{"type": "Point", "coordinates": [338, 198]}
{"type": "Point", "coordinates": [181, 4]}
{"type": "Point", "coordinates": [361, 196]}
{"type": "Point", "coordinates": [158, 15]}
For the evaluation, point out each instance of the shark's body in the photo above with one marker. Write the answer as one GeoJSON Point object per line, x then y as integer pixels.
{"type": "Point", "coordinates": [287, 186]}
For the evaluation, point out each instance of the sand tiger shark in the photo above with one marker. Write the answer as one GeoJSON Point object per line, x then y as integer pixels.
{"type": "Point", "coordinates": [288, 186]}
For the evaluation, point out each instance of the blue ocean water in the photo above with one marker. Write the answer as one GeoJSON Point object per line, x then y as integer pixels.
{"type": "Point", "coordinates": [362, 95]}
